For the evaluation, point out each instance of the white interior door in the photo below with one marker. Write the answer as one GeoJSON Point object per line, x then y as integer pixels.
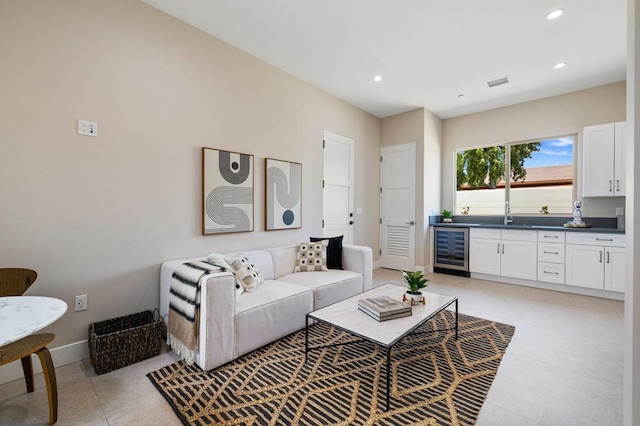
{"type": "Point", "coordinates": [337, 194]}
{"type": "Point", "coordinates": [397, 206]}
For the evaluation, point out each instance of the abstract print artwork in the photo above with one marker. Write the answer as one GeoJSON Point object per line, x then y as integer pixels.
{"type": "Point", "coordinates": [283, 195]}
{"type": "Point", "coordinates": [227, 189]}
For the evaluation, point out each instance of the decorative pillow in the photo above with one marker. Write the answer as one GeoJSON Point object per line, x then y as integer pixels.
{"type": "Point", "coordinates": [334, 251]}
{"type": "Point", "coordinates": [311, 257]}
{"type": "Point", "coordinates": [245, 271]}
{"type": "Point", "coordinates": [219, 260]}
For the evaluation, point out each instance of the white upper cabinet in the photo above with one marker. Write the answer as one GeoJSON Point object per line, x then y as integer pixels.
{"type": "Point", "coordinates": [604, 160]}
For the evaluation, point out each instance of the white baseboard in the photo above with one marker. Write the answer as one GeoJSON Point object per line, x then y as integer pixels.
{"type": "Point", "coordinates": [62, 355]}
{"type": "Point", "coordinates": [550, 286]}
{"type": "Point", "coordinates": [376, 264]}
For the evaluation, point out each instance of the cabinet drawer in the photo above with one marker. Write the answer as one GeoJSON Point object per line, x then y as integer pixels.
{"type": "Point", "coordinates": [518, 235]}
{"type": "Point", "coordinates": [551, 236]}
{"type": "Point", "coordinates": [489, 233]}
{"type": "Point", "coordinates": [592, 239]}
{"type": "Point", "coordinates": [551, 272]}
{"type": "Point", "coordinates": [549, 252]}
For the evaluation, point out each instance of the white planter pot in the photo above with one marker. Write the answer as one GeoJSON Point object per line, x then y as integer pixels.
{"type": "Point", "coordinates": [417, 298]}
{"type": "Point", "coordinates": [447, 220]}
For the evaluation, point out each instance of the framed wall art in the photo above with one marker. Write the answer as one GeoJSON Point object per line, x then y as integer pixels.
{"type": "Point", "coordinates": [227, 192]}
{"type": "Point", "coordinates": [283, 195]}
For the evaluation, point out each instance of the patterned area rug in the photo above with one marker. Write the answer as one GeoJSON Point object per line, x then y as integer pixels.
{"type": "Point", "coordinates": [435, 379]}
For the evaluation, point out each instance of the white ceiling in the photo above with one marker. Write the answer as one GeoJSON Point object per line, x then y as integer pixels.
{"type": "Point", "coordinates": [427, 51]}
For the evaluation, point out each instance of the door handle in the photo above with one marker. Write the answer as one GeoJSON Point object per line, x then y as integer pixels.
{"type": "Point", "coordinates": [503, 249]}
{"type": "Point", "coordinates": [608, 256]}
{"type": "Point", "coordinates": [410, 223]}
{"type": "Point", "coordinates": [600, 257]}
{"type": "Point", "coordinates": [498, 248]}
{"type": "Point", "coordinates": [618, 185]}
{"type": "Point", "coordinates": [610, 186]}
{"type": "Point", "coordinates": [351, 222]}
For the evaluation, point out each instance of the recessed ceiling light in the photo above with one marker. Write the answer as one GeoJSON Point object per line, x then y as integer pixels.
{"type": "Point", "coordinates": [556, 13]}
{"type": "Point", "coordinates": [377, 78]}
{"type": "Point", "coordinates": [560, 65]}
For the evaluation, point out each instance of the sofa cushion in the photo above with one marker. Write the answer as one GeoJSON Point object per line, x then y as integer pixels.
{"type": "Point", "coordinates": [262, 261]}
{"type": "Point", "coordinates": [311, 257]}
{"type": "Point", "coordinates": [328, 287]}
{"type": "Point", "coordinates": [284, 260]}
{"type": "Point", "coordinates": [245, 271]}
{"type": "Point", "coordinates": [334, 250]}
{"type": "Point", "coordinates": [274, 310]}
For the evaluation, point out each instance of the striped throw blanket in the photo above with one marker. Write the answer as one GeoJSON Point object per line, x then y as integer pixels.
{"type": "Point", "coordinates": [184, 307]}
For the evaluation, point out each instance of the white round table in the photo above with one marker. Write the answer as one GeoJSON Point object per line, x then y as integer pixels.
{"type": "Point", "coordinates": [21, 316]}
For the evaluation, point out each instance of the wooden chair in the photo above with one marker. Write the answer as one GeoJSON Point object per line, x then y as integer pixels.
{"type": "Point", "coordinates": [14, 282]}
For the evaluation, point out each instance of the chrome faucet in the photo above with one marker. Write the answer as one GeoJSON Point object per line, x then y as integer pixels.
{"type": "Point", "coordinates": [507, 213]}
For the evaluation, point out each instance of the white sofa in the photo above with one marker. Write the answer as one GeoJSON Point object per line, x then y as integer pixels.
{"type": "Point", "coordinates": [231, 326]}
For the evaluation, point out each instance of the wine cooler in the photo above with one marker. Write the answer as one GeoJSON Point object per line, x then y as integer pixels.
{"type": "Point", "coordinates": [451, 250]}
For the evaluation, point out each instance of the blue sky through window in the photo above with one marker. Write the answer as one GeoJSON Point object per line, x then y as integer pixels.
{"type": "Point", "coordinates": [553, 152]}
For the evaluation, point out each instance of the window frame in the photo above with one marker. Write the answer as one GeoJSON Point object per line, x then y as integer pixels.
{"type": "Point", "coordinates": [507, 179]}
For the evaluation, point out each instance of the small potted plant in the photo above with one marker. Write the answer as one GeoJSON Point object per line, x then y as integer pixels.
{"type": "Point", "coordinates": [447, 216]}
{"type": "Point", "coordinates": [415, 282]}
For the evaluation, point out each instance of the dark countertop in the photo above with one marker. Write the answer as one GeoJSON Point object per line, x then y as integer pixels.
{"type": "Point", "coordinates": [529, 227]}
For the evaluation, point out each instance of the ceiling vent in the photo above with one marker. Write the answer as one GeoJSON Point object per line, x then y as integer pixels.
{"type": "Point", "coordinates": [498, 82]}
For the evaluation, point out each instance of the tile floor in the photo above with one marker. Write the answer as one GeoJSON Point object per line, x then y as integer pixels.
{"type": "Point", "coordinates": [563, 366]}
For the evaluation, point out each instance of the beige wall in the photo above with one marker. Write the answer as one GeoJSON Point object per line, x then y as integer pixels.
{"type": "Point", "coordinates": [425, 129]}
{"type": "Point", "coordinates": [99, 215]}
{"type": "Point", "coordinates": [549, 117]}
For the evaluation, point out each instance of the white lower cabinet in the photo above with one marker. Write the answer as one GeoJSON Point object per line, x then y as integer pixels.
{"type": "Point", "coordinates": [509, 253]}
{"type": "Point", "coordinates": [484, 255]}
{"type": "Point", "coordinates": [582, 259]}
{"type": "Point", "coordinates": [519, 259]}
{"type": "Point", "coordinates": [551, 256]}
{"type": "Point", "coordinates": [596, 261]}
{"type": "Point", "coordinates": [551, 272]}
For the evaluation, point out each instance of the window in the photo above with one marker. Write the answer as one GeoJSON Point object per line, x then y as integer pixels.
{"type": "Point", "coordinates": [538, 181]}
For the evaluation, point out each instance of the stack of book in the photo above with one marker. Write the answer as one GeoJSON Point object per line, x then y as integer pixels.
{"type": "Point", "coordinates": [384, 308]}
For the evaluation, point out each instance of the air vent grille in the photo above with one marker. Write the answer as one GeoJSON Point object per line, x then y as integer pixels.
{"type": "Point", "coordinates": [498, 82]}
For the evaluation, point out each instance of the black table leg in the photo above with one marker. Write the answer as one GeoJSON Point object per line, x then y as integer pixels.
{"type": "Point", "coordinates": [456, 319]}
{"type": "Point", "coordinates": [306, 337]}
{"type": "Point", "coordinates": [388, 374]}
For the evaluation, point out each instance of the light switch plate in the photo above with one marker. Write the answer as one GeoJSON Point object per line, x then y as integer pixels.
{"type": "Point", "coordinates": [619, 211]}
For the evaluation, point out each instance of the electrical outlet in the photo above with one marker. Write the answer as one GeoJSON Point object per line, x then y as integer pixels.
{"type": "Point", "coordinates": [619, 211]}
{"type": "Point", "coordinates": [81, 302]}
{"type": "Point", "coordinates": [87, 128]}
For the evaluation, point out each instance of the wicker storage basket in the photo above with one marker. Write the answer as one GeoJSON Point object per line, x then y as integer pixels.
{"type": "Point", "coordinates": [123, 341]}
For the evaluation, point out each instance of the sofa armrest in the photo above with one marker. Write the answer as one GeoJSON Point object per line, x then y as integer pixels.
{"type": "Point", "coordinates": [359, 259]}
{"type": "Point", "coordinates": [217, 338]}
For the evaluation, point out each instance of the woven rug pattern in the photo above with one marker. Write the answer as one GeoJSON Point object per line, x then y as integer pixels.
{"type": "Point", "coordinates": [435, 379]}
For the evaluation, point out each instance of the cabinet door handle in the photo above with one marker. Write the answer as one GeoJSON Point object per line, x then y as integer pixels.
{"type": "Point", "coordinates": [604, 239]}
{"type": "Point", "coordinates": [600, 257]}
{"type": "Point", "coordinates": [550, 273]}
{"type": "Point", "coordinates": [618, 185]}
{"type": "Point", "coordinates": [550, 236]}
{"type": "Point", "coordinates": [610, 186]}
{"type": "Point", "coordinates": [498, 248]}
{"type": "Point", "coordinates": [608, 256]}
{"type": "Point", "coordinates": [550, 252]}
{"type": "Point", "coordinates": [503, 249]}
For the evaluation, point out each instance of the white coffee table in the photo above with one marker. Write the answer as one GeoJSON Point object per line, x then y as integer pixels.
{"type": "Point", "coordinates": [346, 316]}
